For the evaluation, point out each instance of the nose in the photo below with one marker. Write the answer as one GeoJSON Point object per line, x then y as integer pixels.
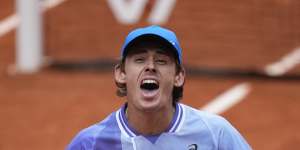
{"type": "Point", "coordinates": [150, 66]}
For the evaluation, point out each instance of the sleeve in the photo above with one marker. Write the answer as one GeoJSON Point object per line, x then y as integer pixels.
{"type": "Point", "coordinates": [231, 139]}
{"type": "Point", "coordinates": [75, 146]}
{"type": "Point", "coordinates": [81, 142]}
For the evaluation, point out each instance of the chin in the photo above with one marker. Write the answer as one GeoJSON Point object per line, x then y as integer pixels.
{"type": "Point", "coordinates": [150, 104]}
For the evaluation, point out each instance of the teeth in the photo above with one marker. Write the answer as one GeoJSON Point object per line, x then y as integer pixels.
{"type": "Point", "coordinates": [149, 81]}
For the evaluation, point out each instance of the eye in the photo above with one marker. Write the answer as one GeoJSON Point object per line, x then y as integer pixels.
{"type": "Point", "coordinates": [139, 60]}
{"type": "Point", "coordinates": [161, 61]}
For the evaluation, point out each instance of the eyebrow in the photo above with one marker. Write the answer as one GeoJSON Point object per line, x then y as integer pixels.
{"type": "Point", "coordinates": [137, 51]}
{"type": "Point", "coordinates": [160, 51]}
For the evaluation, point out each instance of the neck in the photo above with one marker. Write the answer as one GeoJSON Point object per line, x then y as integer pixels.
{"type": "Point", "coordinates": [150, 123]}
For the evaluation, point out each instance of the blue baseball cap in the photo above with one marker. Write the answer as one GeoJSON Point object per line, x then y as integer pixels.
{"type": "Point", "coordinates": [157, 32]}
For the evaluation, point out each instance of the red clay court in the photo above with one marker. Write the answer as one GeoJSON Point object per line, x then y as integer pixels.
{"type": "Point", "coordinates": [46, 109]}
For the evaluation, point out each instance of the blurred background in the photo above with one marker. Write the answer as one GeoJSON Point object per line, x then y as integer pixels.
{"type": "Point", "coordinates": [57, 56]}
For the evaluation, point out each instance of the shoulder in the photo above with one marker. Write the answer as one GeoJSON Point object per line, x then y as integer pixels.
{"type": "Point", "coordinates": [203, 122]}
{"type": "Point", "coordinates": [210, 120]}
{"type": "Point", "coordinates": [221, 130]}
{"type": "Point", "coordinates": [87, 137]}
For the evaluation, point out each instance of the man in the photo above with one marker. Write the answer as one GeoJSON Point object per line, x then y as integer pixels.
{"type": "Point", "coordinates": [151, 77]}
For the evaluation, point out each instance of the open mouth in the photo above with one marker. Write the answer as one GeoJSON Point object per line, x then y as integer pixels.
{"type": "Point", "coordinates": [149, 85]}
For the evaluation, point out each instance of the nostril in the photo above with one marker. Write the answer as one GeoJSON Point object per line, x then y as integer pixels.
{"type": "Point", "coordinates": [150, 70]}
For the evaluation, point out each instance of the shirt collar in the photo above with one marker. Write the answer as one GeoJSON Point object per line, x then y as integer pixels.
{"type": "Point", "coordinates": [131, 132]}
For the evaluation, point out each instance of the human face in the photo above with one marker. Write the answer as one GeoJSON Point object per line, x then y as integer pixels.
{"type": "Point", "coordinates": [150, 75]}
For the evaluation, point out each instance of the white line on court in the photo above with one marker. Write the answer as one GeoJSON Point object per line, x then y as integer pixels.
{"type": "Point", "coordinates": [238, 92]}
{"type": "Point", "coordinates": [228, 99]}
{"type": "Point", "coordinates": [11, 22]}
{"type": "Point", "coordinates": [286, 63]}
{"type": "Point", "coordinates": [48, 4]}
{"type": "Point", "coordinates": [8, 24]}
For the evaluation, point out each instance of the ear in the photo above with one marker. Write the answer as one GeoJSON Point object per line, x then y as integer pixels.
{"type": "Point", "coordinates": [180, 78]}
{"type": "Point", "coordinates": [120, 76]}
